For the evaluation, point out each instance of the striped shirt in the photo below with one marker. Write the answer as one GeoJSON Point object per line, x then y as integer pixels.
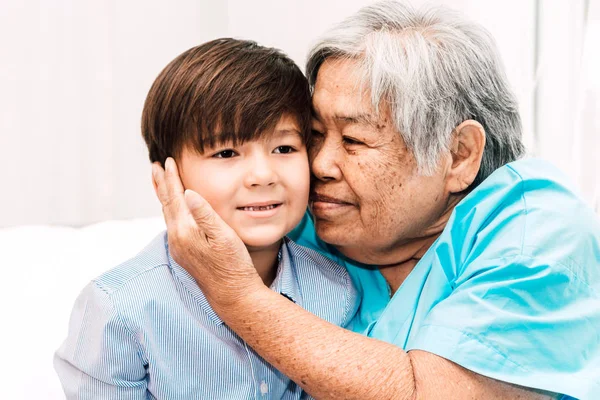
{"type": "Point", "coordinates": [144, 330]}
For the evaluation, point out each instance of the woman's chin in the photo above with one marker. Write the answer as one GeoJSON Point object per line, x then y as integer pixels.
{"type": "Point", "coordinates": [338, 234]}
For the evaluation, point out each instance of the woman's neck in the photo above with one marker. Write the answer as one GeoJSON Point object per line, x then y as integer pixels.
{"type": "Point", "coordinates": [412, 251]}
{"type": "Point", "coordinates": [265, 261]}
{"type": "Point", "coordinates": [395, 264]}
{"type": "Point", "coordinates": [396, 273]}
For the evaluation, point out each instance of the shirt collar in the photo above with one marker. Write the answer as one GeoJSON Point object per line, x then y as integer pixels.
{"type": "Point", "coordinates": [285, 282]}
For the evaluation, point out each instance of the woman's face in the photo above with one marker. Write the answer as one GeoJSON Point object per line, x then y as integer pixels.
{"type": "Point", "coordinates": [367, 197]}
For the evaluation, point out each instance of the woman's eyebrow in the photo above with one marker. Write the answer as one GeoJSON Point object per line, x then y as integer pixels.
{"type": "Point", "coordinates": [358, 118]}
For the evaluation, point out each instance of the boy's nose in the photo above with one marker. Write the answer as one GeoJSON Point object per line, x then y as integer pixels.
{"type": "Point", "coordinates": [261, 173]}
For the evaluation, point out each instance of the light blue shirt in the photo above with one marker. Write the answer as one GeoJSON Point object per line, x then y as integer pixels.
{"type": "Point", "coordinates": [510, 290]}
{"type": "Point", "coordinates": [144, 330]}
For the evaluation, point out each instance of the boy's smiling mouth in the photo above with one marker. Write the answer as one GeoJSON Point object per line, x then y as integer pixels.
{"type": "Point", "coordinates": [261, 207]}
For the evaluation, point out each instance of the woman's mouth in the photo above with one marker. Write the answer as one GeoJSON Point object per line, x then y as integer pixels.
{"type": "Point", "coordinates": [323, 205]}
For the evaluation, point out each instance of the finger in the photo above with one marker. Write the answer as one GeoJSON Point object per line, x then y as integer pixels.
{"type": "Point", "coordinates": [160, 186]}
{"type": "Point", "coordinates": [174, 185]}
{"type": "Point", "coordinates": [158, 179]}
{"type": "Point", "coordinates": [205, 216]}
{"type": "Point", "coordinates": [170, 198]}
{"type": "Point", "coordinates": [199, 207]}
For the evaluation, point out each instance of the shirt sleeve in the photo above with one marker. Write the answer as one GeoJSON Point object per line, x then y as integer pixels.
{"type": "Point", "coordinates": [100, 357]}
{"type": "Point", "coordinates": [525, 320]}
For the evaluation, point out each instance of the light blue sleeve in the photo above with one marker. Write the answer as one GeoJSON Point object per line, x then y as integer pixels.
{"type": "Point", "coordinates": [527, 320]}
{"type": "Point", "coordinates": [100, 357]}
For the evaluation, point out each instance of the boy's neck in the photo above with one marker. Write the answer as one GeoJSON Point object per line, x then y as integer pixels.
{"type": "Point", "coordinates": [265, 261]}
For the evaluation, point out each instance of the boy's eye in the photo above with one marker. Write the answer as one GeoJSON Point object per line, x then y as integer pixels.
{"type": "Point", "coordinates": [225, 154]}
{"type": "Point", "coordinates": [284, 150]}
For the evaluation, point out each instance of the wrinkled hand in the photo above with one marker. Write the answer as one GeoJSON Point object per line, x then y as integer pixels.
{"type": "Point", "coordinates": [201, 242]}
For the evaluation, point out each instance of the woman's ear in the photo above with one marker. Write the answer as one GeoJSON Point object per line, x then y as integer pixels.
{"type": "Point", "coordinates": [466, 149]}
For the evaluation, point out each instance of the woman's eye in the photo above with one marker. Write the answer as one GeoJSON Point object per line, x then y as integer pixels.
{"type": "Point", "coordinates": [315, 138]}
{"type": "Point", "coordinates": [284, 150]}
{"type": "Point", "coordinates": [315, 134]}
{"type": "Point", "coordinates": [349, 140]}
{"type": "Point", "coordinates": [225, 154]}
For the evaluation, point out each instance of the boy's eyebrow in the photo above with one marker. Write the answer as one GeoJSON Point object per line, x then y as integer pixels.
{"type": "Point", "coordinates": [287, 131]}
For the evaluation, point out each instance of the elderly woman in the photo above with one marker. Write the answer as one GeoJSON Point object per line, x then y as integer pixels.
{"type": "Point", "coordinates": [478, 274]}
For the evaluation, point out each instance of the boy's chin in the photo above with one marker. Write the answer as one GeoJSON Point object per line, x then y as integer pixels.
{"type": "Point", "coordinates": [262, 239]}
{"type": "Point", "coordinates": [255, 245]}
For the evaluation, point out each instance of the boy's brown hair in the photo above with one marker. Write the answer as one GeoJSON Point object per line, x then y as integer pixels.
{"type": "Point", "coordinates": [223, 90]}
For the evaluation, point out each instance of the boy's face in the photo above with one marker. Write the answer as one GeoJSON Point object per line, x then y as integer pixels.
{"type": "Point", "coordinates": [259, 188]}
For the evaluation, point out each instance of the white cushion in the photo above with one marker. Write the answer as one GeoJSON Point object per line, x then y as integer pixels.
{"type": "Point", "coordinates": [44, 269]}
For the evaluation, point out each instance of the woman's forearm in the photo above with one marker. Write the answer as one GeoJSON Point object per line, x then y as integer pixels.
{"type": "Point", "coordinates": [329, 362]}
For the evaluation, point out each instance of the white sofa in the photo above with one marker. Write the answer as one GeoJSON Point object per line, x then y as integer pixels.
{"type": "Point", "coordinates": [44, 269]}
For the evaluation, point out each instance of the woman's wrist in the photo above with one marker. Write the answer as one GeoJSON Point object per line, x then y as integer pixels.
{"type": "Point", "coordinates": [239, 300]}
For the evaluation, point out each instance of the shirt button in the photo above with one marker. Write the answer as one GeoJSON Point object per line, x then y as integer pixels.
{"type": "Point", "coordinates": [264, 388]}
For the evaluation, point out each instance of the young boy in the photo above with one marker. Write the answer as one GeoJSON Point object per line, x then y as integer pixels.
{"type": "Point", "coordinates": [236, 117]}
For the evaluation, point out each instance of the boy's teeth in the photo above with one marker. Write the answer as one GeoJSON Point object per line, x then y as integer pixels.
{"type": "Point", "coordinates": [259, 208]}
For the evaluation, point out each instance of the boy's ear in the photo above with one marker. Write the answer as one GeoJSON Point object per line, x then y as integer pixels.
{"type": "Point", "coordinates": [154, 184]}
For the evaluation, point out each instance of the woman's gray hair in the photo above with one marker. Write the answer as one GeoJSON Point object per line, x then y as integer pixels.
{"type": "Point", "coordinates": [435, 70]}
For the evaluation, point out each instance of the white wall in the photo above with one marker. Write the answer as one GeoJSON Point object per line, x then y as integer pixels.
{"type": "Point", "coordinates": [74, 76]}
{"type": "Point", "coordinates": [568, 91]}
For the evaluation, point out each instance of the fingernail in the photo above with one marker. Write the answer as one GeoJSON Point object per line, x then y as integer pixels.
{"type": "Point", "coordinates": [169, 164]}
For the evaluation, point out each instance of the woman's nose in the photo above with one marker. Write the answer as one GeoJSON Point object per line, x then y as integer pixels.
{"type": "Point", "coordinates": [324, 162]}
